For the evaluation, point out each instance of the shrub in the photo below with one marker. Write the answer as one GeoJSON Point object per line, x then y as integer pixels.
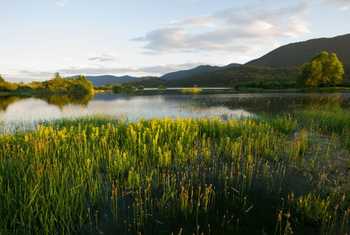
{"type": "Point", "coordinates": [124, 89]}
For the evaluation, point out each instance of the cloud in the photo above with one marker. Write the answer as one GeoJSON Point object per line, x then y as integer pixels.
{"type": "Point", "coordinates": [342, 4]}
{"type": "Point", "coordinates": [37, 75]}
{"type": "Point", "coordinates": [234, 29]}
{"type": "Point", "coordinates": [154, 70]}
{"type": "Point", "coordinates": [103, 58]}
{"type": "Point", "coordinates": [26, 75]}
{"type": "Point", "coordinates": [61, 3]}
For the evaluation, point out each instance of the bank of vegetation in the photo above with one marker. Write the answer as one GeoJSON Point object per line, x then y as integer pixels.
{"type": "Point", "coordinates": [274, 175]}
{"type": "Point", "coordinates": [77, 87]}
{"type": "Point", "coordinates": [127, 89]}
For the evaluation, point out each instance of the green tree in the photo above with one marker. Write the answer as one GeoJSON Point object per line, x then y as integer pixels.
{"type": "Point", "coordinates": [2, 78]}
{"type": "Point", "coordinates": [324, 70]}
{"type": "Point", "coordinates": [57, 76]}
{"type": "Point", "coordinates": [81, 86]}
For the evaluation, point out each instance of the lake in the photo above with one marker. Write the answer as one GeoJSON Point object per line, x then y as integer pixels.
{"type": "Point", "coordinates": [24, 112]}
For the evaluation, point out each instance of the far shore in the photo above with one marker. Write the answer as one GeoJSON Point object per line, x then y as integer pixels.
{"type": "Point", "coordinates": [204, 91]}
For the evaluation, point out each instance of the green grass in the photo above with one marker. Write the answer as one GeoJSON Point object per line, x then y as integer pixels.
{"type": "Point", "coordinates": [192, 90]}
{"type": "Point", "coordinates": [281, 175]}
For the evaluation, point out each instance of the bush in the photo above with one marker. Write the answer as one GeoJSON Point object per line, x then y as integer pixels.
{"type": "Point", "coordinates": [124, 89]}
{"type": "Point", "coordinates": [81, 86]}
{"type": "Point", "coordinates": [7, 86]}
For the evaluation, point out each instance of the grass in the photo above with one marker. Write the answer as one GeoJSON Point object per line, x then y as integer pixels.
{"type": "Point", "coordinates": [192, 90]}
{"type": "Point", "coordinates": [280, 175]}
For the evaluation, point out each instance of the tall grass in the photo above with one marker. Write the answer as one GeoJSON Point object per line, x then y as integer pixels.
{"type": "Point", "coordinates": [172, 177]}
{"type": "Point", "coordinates": [328, 120]}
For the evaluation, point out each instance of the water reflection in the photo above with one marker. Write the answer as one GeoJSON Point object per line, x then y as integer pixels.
{"type": "Point", "coordinates": [19, 112]}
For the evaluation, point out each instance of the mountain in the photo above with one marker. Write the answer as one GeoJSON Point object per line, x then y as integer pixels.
{"type": "Point", "coordinates": [280, 66]}
{"type": "Point", "coordinates": [296, 54]}
{"type": "Point", "coordinates": [111, 80]}
{"type": "Point", "coordinates": [183, 74]}
{"type": "Point", "coordinates": [197, 71]}
{"type": "Point", "coordinates": [227, 76]}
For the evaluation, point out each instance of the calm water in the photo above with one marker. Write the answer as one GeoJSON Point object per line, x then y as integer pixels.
{"type": "Point", "coordinates": [19, 113]}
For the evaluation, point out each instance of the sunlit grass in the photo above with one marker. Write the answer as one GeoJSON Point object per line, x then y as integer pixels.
{"type": "Point", "coordinates": [192, 90]}
{"type": "Point", "coordinates": [183, 176]}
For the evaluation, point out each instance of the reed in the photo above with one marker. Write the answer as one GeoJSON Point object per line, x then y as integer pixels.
{"type": "Point", "coordinates": [185, 176]}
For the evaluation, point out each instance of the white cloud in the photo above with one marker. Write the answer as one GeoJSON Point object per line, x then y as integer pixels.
{"type": "Point", "coordinates": [61, 3]}
{"type": "Point", "coordinates": [147, 70]}
{"type": "Point", "coordinates": [239, 30]}
{"type": "Point", "coordinates": [343, 5]}
{"type": "Point", "coordinates": [26, 75]}
{"type": "Point", "coordinates": [103, 58]}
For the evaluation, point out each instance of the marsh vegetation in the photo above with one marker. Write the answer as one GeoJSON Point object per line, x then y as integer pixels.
{"type": "Point", "coordinates": [281, 174]}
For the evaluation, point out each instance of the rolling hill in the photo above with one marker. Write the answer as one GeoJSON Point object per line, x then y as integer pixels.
{"type": "Point", "coordinates": [279, 65]}
{"type": "Point", "coordinates": [197, 71]}
{"type": "Point", "coordinates": [296, 54]}
{"type": "Point", "coordinates": [103, 80]}
{"type": "Point", "coordinates": [226, 77]}
{"type": "Point", "coordinates": [111, 80]}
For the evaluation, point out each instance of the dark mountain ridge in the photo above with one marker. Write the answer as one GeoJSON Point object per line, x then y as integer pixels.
{"type": "Point", "coordinates": [199, 70]}
{"type": "Point", "coordinates": [296, 54]}
{"type": "Point", "coordinates": [280, 64]}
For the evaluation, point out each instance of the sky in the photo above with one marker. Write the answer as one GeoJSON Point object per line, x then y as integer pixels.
{"type": "Point", "coordinates": [153, 37]}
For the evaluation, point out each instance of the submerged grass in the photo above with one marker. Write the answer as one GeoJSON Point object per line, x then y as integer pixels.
{"type": "Point", "coordinates": [271, 176]}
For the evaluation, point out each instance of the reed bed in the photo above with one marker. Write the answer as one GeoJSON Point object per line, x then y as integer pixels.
{"type": "Point", "coordinates": [207, 176]}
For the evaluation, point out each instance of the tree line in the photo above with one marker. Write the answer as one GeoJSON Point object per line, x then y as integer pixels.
{"type": "Point", "coordinates": [78, 86]}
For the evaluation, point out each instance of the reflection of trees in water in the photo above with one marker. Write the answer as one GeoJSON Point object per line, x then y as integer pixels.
{"type": "Point", "coordinates": [60, 101]}
{"type": "Point", "coordinates": [57, 100]}
{"type": "Point", "coordinates": [287, 103]}
{"type": "Point", "coordinates": [6, 101]}
{"type": "Point", "coordinates": [336, 101]}
{"type": "Point", "coordinates": [265, 104]}
{"type": "Point", "coordinates": [255, 103]}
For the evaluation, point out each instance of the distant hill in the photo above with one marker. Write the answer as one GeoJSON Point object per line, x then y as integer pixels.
{"type": "Point", "coordinates": [296, 54]}
{"type": "Point", "coordinates": [103, 80]}
{"type": "Point", "coordinates": [197, 71]}
{"type": "Point", "coordinates": [111, 80]}
{"type": "Point", "coordinates": [227, 76]}
{"type": "Point", "coordinates": [279, 65]}
{"type": "Point", "coordinates": [183, 74]}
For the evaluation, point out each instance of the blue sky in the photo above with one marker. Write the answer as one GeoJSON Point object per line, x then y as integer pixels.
{"type": "Point", "coordinates": [139, 37]}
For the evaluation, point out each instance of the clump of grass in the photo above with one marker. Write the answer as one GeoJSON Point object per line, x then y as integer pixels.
{"type": "Point", "coordinates": [328, 120]}
{"type": "Point", "coordinates": [192, 90]}
{"type": "Point", "coordinates": [169, 176]}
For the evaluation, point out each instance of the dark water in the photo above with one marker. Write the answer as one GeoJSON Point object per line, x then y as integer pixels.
{"type": "Point", "coordinates": [19, 112]}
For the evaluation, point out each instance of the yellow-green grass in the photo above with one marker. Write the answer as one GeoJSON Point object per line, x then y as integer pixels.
{"type": "Point", "coordinates": [88, 176]}
{"type": "Point", "coordinates": [192, 90]}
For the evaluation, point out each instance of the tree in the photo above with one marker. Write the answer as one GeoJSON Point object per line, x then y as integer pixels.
{"type": "Point", "coordinates": [324, 70]}
{"type": "Point", "coordinates": [57, 76]}
{"type": "Point", "coordinates": [2, 78]}
{"type": "Point", "coordinates": [81, 86]}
